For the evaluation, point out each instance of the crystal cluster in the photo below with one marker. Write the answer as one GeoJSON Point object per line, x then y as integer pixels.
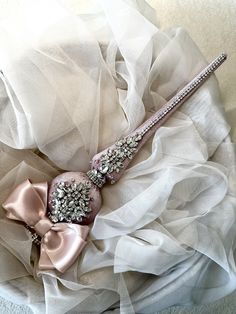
{"type": "Point", "coordinates": [70, 202]}
{"type": "Point", "coordinates": [113, 159]}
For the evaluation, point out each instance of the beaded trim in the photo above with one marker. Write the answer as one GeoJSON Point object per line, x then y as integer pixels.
{"type": "Point", "coordinates": [36, 239]}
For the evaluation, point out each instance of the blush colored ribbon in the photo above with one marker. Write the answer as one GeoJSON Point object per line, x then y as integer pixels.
{"type": "Point", "coordinates": [61, 242]}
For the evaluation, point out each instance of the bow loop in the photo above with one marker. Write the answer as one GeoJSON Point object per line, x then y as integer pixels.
{"type": "Point", "coordinates": [62, 237]}
{"type": "Point", "coordinates": [61, 242]}
{"type": "Point", "coordinates": [26, 204]}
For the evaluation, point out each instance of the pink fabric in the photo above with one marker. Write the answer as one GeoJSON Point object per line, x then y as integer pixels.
{"type": "Point", "coordinates": [61, 242]}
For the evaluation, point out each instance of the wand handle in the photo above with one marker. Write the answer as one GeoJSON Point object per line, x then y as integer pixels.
{"type": "Point", "coordinates": [109, 165]}
{"type": "Point", "coordinates": [158, 118]}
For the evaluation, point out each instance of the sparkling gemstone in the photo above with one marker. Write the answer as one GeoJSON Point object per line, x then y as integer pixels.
{"type": "Point", "coordinates": [103, 169]}
{"type": "Point", "coordinates": [67, 197]}
{"type": "Point", "coordinates": [60, 193]}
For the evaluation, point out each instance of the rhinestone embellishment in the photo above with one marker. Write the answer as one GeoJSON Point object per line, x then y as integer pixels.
{"type": "Point", "coordinates": [70, 202]}
{"type": "Point", "coordinates": [112, 160]}
{"type": "Point", "coordinates": [36, 239]}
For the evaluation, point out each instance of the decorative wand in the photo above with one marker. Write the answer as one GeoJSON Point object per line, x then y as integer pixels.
{"type": "Point", "coordinates": [58, 215]}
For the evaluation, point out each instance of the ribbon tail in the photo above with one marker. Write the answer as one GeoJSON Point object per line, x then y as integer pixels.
{"type": "Point", "coordinates": [62, 266]}
{"type": "Point", "coordinates": [59, 263]}
{"type": "Point", "coordinates": [44, 261]}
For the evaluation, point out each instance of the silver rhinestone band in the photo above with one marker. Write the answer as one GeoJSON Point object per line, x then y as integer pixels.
{"type": "Point", "coordinates": [96, 177]}
{"type": "Point", "coordinates": [185, 92]}
{"type": "Point", "coordinates": [36, 239]}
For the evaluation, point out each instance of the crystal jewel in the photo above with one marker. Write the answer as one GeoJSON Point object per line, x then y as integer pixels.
{"type": "Point", "coordinates": [70, 202]}
{"type": "Point", "coordinates": [113, 159]}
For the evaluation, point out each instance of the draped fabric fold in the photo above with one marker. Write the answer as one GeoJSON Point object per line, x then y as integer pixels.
{"type": "Point", "coordinates": [71, 84]}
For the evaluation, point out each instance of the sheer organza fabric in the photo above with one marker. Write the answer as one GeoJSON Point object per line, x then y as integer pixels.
{"type": "Point", "coordinates": [70, 86]}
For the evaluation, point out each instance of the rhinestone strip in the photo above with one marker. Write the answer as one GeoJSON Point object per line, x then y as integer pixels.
{"type": "Point", "coordinates": [96, 177]}
{"type": "Point", "coordinates": [36, 239]}
{"type": "Point", "coordinates": [185, 92]}
{"type": "Point", "coordinates": [70, 202]}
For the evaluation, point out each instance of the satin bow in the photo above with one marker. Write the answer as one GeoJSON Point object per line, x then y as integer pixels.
{"type": "Point", "coordinates": [61, 242]}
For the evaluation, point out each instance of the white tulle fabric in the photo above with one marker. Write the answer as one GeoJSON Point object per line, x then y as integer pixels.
{"type": "Point", "coordinates": [70, 86]}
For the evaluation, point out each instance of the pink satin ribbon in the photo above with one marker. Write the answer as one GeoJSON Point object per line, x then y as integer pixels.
{"type": "Point", "coordinates": [61, 242]}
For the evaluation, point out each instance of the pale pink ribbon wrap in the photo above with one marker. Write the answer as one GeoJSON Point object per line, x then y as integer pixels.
{"type": "Point", "coordinates": [61, 242]}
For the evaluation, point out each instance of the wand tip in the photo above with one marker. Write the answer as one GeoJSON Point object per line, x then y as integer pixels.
{"type": "Point", "coordinates": [223, 55]}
